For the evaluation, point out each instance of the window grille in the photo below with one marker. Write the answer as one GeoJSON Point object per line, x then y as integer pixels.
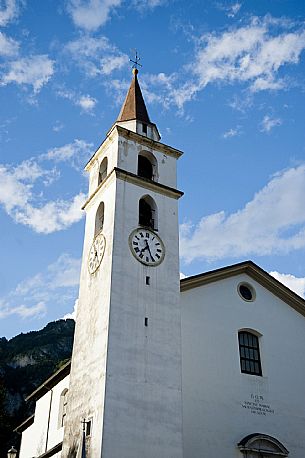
{"type": "Point", "coordinates": [250, 362]}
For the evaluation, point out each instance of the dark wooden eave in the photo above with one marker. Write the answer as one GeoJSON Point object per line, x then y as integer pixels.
{"type": "Point", "coordinates": [50, 382]}
{"type": "Point", "coordinates": [25, 424]}
{"type": "Point", "coordinates": [51, 452]}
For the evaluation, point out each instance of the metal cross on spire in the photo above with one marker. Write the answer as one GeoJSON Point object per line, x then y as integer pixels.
{"type": "Point", "coordinates": [136, 60]}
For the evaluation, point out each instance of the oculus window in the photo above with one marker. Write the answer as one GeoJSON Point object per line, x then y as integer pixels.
{"type": "Point", "coordinates": [246, 292]}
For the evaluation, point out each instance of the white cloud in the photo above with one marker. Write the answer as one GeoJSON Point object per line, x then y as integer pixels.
{"type": "Point", "coordinates": [86, 102]}
{"type": "Point", "coordinates": [87, 47]}
{"type": "Point", "coordinates": [27, 207]}
{"type": "Point", "coordinates": [111, 63]}
{"type": "Point", "coordinates": [72, 315]}
{"type": "Point", "coordinates": [34, 71]}
{"type": "Point", "coordinates": [269, 123]}
{"type": "Point", "coordinates": [9, 10]}
{"type": "Point", "coordinates": [273, 222]}
{"type": "Point", "coordinates": [8, 46]}
{"type": "Point", "coordinates": [58, 126]}
{"type": "Point", "coordinates": [57, 284]}
{"type": "Point", "coordinates": [234, 9]}
{"type": "Point", "coordinates": [249, 54]}
{"type": "Point", "coordinates": [143, 5]}
{"type": "Point", "coordinates": [51, 217]}
{"type": "Point", "coordinates": [230, 10]}
{"type": "Point", "coordinates": [232, 132]}
{"type": "Point", "coordinates": [96, 56]}
{"type": "Point", "coordinates": [91, 14]}
{"type": "Point", "coordinates": [296, 284]}
{"type": "Point", "coordinates": [76, 153]}
{"type": "Point", "coordinates": [24, 312]}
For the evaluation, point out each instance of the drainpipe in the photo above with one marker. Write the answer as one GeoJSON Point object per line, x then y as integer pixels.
{"type": "Point", "coordinates": [49, 416]}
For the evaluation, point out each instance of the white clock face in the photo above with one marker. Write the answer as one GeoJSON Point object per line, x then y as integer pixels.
{"type": "Point", "coordinates": [146, 246]}
{"type": "Point", "coordinates": [96, 253]}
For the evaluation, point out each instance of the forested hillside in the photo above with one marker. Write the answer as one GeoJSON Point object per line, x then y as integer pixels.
{"type": "Point", "coordinates": [25, 362]}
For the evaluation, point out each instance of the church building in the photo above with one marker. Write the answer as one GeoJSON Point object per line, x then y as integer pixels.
{"type": "Point", "coordinates": [209, 366]}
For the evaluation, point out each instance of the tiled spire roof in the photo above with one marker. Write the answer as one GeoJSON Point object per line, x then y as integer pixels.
{"type": "Point", "coordinates": [134, 105]}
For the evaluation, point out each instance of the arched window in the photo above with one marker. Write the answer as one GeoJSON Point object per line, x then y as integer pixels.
{"type": "Point", "coordinates": [99, 219]}
{"type": "Point", "coordinates": [148, 213]}
{"type": "Point", "coordinates": [261, 446]}
{"type": "Point", "coordinates": [62, 408]}
{"type": "Point", "coordinates": [103, 170]}
{"type": "Point", "coordinates": [147, 165]}
{"type": "Point", "coordinates": [250, 361]}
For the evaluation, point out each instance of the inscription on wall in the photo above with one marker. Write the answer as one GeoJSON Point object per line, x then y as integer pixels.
{"type": "Point", "coordinates": [257, 405]}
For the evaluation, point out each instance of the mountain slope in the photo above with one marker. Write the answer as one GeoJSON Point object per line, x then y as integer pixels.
{"type": "Point", "coordinates": [25, 362]}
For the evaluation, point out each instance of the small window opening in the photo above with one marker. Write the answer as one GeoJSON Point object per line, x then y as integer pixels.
{"type": "Point", "coordinates": [103, 170]}
{"type": "Point", "coordinates": [144, 128]}
{"type": "Point", "coordinates": [145, 168]}
{"type": "Point", "coordinates": [250, 362]}
{"type": "Point", "coordinates": [63, 408]}
{"type": "Point", "coordinates": [147, 280]}
{"type": "Point", "coordinates": [88, 428]}
{"type": "Point", "coordinates": [146, 214]}
{"type": "Point", "coordinates": [146, 322]}
{"type": "Point", "coordinates": [99, 219]}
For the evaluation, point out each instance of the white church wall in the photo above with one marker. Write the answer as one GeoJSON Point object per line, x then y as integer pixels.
{"type": "Point", "coordinates": [34, 438]}
{"type": "Point", "coordinates": [221, 405]}
{"type": "Point", "coordinates": [28, 446]}
{"type": "Point", "coordinates": [86, 394]}
{"type": "Point", "coordinates": [144, 363]}
{"type": "Point", "coordinates": [126, 158]}
{"type": "Point", "coordinates": [107, 150]}
{"type": "Point", "coordinates": [56, 431]}
{"type": "Point", "coordinates": [44, 433]}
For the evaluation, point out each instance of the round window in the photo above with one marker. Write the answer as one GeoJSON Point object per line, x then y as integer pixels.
{"type": "Point", "coordinates": [246, 292]}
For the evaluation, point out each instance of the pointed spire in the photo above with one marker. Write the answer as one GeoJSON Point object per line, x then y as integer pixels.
{"type": "Point", "coordinates": [134, 105]}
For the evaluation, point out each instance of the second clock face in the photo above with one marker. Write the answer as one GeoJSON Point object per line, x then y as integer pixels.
{"type": "Point", "coordinates": [146, 246]}
{"type": "Point", "coordinates": [96, 253]}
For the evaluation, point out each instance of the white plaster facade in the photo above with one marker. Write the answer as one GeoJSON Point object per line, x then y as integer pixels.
{"type": "Point", "coordinates": [46, 430]}
{"type": "Point", "coordinates": [221, 405]}
{"type": "Point", "coordinates": [131, 368]}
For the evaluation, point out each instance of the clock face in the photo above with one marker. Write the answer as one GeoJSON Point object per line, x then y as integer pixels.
{"type": "Point", "coordinates": [96, 253]}
{"type": "Point", "coordinates": [146, 246]}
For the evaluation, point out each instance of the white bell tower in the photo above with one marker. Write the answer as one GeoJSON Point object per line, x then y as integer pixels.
{"type": "Point", "coordinates": [126, 365]}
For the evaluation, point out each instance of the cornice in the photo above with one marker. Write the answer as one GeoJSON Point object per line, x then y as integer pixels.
{"type": "Point", "coordinates": [101, 185]}
{"type": "Point", "coordinates": [138, 181]}
{"type": "Point", "coordinates": [141, 139]}
{"type": "Point", "coordinates": [147, 184]}
{"type": "Point", "coordinates": [149, 142]}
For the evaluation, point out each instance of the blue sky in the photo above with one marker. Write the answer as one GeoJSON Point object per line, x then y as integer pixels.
{"type": "Point", "coordinates": [223, 80]}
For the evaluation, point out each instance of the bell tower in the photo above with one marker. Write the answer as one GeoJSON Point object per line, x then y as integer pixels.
{"type": "Point", "coordinates": [125, 379]}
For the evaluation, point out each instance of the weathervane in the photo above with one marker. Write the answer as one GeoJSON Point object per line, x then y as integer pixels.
{"type": "Point", "coordinates": [135, 62]}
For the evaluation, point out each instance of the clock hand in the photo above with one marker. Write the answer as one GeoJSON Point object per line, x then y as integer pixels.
{"type": "Point", "coordinates": [147, 246]}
